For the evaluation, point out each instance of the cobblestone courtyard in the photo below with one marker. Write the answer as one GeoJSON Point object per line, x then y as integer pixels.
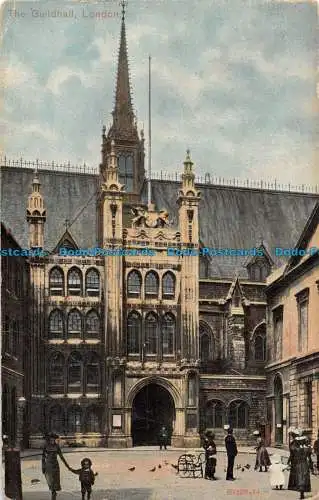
{"type": "Point", "coordinates": [116, 482]}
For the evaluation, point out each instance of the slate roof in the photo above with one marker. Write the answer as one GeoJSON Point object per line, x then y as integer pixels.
{"type": "Point", "coordinates": [230, 217]}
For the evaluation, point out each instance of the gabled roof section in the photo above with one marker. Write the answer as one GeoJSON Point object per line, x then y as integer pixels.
{"type": "Point", "coordinates": [261, 249]}
{"type": "Point", "coordinates": [235, 287]}
{"type": "Point", "coordinates": [66, 241]}
{"type": "Point", "coordinates": [309, 238]}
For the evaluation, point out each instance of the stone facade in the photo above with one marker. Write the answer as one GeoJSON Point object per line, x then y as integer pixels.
{"type": "Point", "coordinates": [15, 337]}
{"type": "Point", "coordinates": [292, 330]}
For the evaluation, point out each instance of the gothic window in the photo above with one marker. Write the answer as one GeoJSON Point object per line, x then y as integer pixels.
{"type": "Point", "coordinates": [151, 333]}
{"type": "Point", "coordinates": [133, 333]}
{"type": "Point", "coordinates": [92, 420]}
{"type": "Point", "coordinates": [151, 285]}
{"type": "Point", "coordinates": [168, 286]}
{"type": "Point", "coordinates": [93, 373]}
{"type": "Point", "coordinates": [134, 283]}
{"type": "Point", "coordinates": [168, 334]}
{"type": "Point", "coordinates": [215, 412]}
{"type": "Point", "coordinates": [56, 281]}
{"type": "Point", "coordinates": [238, 415]}
{"type": "Point", "coordinates": [74, 420]}
{"type": "Point", "coordinates": [258, 271]}
{"type": "Point", "coordinates": [74, 282]}
{"type": "Point", "coordinates": [260, 348]}
{"type": "Point", "coordinates": [75, 372]}
{"type": "Point", "coordinates": [56, 374]}
{"type": "Point", "coordinates": [92, 283]}
{"type": "Point", "coordinates": [278, 330]}
{"type": "Point", "coordinates": [204, 347]}
{"type": "Point", "coordinates": [92, 324]}
{"type": "Point", "coordinates": [302, 302]}
{"type": "Point", "coordinates": [56, 419]}
{"type": "Point", "coordinates": [56, 324]}
{"type": "Point", "coordinates": [74, 323]}
{"type": "Point", "coordinates": [126, 177]}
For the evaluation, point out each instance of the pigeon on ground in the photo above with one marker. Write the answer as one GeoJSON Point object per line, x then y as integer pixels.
{"type": "Point", "coordinates": [131, 469]}
{"type": "Point", "coordinates": [35, 481]}
{"type": "Point", "coordinates": [159, 466]}
{"type": "Point", "coordinates": [243, 470]}
{"type": "Point", "coordinates": [247, 466]}
{"type": "Point", "coordinates": [165, 462]}
{"type": "Point", "coordinates": [175, 466]}
{"type": "Point", "coordinates": [152, 470]}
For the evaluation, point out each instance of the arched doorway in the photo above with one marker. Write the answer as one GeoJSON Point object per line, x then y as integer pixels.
{"type": "Point", "coordinates": [153, 407]}
{"type": "Point", "coordinates": [278, 393]}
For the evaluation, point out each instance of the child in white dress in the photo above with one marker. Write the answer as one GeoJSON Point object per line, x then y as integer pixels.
{"type": "Point", "coordinates": [277, 478]}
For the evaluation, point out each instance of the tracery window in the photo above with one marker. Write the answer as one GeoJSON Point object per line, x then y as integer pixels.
{"type": "Point", "coordinates": [75, 373]}
{"type": "Point", "coordinates": [93, 373]}
{"type": "Point", "coordinates": [92, 324]}
{"type": "Point", "coordinates": [215, 412]}
{"type": "Point", "coordinates": [74, 323]}
{"type": "Point", "coordinates": [56, 281]}
{"type": "Point", "coordinates": [168, 334]}
{"type": "Point", "coordinates": [151, 323]}
{"type": "Point", "coordinates": [126, 174]}
{"type": "Point", "coordinates": [151, 285]}
{"type": "Point", "coordinates": [56, 374]}
{"type": "Point", "coordinates": [238, 414]}
{"type": "Point", "coordinates": [133, 333]}
{"type": "Point", "coordinates": [74, 420]}
{"type": "Point", "coordinates": [74, 282]}
{"type": "Point", "coordinates": [134, 283]}
{"type": "Point", "coordinates": [92, 283]}
{"type": "Point", "coordinates": [168, 286]}
{"type": "Point", "coordinates": [260, 348]}
{"type": "Point", "coordinates": [56, 324]}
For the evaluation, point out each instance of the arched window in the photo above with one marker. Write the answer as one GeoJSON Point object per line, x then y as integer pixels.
{"type": "Point", "coordinates": [260, 348]}
{"type": "Point", "coordinates": [151, 285]}
{"type": "Point", "coordinates": [56, 281]}
{"type": "Point", "coordinates": [192, 389]}
{"type": "Point", "coordinates": [133, 333]}
{"type": "Point", "coordinates": [92, 283]}
{"type": "Point", "coordinates": [74, 420]}
{"type": "Point", "coordinates": [151, 333]}
{"type": "Point", "coordinates": [168, 286]}
{"type": "Point", "coordinates": [56, 324]}
{"type": "Point", "coordinates": [168, 334]}
{"type": "Point", "coordinates": [74, 323]}
{"type": "Point", "coordinates": [93, 373]}
{"type": "Point", "coordinates": [125, 164]}
{"type": "Point", "coordinates": [74, 282]}
{"type": "Point", "coordinates": [56, 419]}
{"type": "Point", "coordinates": [215, 413]}
{"type": "Point", "coordinates": [93, 420]}
{"type": "Point", "coordinates": [92, 324]}
{"type": "Point", "coordinates": [56, 374]}
{"type": "Point", "coordinates": [204, 347]}
{"type": "Point", "coordinates": [75, 373]}
{"type": "Point", "coordinates": [238, 414]}
{"type": "Point", "coordinates": [134, 283]}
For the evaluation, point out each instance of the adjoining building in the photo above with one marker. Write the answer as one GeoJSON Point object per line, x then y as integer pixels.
{"type": "Point", "coordinates": [293, 339]}
{"type": "Point", "coordinates": [121, 345]}
{"type": "Point", "coordinates": [15, 341]}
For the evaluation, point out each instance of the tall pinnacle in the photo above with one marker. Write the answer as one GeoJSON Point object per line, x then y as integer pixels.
{"type": "Point", "coordinates": [123, 116]}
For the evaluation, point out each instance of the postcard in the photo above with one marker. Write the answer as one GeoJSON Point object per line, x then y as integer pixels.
{"type": "Point", "coordinates": [159, 249]}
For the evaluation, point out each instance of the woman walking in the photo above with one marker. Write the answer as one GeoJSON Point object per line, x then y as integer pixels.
{"type": "Point", "coordinates": [50, 464]}
{"type": "Point", "coordinates": [292, 483]}
{"type": "Point", "coordinates": [210, 455]}
{"type": "Point", "coordinates": [262, 456]}
{"type": "Point", "coordinates": [303, 466]}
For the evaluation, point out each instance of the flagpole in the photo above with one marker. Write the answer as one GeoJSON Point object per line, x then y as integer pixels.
{"type": "Point", "coordinates": [149, 188]}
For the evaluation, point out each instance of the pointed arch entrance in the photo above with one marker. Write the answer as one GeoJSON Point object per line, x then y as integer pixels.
{"type": "Point", "coordinates": [153, 407]}
{"type": "Point", "coordinates": [279, 407]}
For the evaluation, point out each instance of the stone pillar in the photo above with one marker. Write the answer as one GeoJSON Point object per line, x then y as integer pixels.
{"type": "Point", "coordinates": [20, 421]}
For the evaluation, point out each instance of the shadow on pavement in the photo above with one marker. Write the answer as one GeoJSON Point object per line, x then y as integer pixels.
{"type": "Point", "coordinates": [118, 494]}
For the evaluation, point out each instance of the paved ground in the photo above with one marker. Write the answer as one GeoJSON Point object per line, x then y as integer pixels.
{"type": "Point", "coordinates": [116, 482]}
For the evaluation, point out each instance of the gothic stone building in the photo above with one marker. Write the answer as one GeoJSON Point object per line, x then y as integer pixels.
{"type": "Point", "coordinates": [122, 345]}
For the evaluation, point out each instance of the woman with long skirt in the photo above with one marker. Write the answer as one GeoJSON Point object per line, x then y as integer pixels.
{"type": "Point", "coordinates": [293, 445]}
{"type": "Point", "coordinates": [303, 466]}
{"type": "Point", "coordinates": [50, 464]}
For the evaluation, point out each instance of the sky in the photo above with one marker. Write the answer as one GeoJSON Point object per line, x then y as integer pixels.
{"type": "Point", "coordinates": [232, 80]}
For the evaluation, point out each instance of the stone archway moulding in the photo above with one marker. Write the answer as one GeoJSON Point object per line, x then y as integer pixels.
{"type": "Point", "coordinates": [155, 380]}
{"type": "Point", "coordinates": [262, 323]}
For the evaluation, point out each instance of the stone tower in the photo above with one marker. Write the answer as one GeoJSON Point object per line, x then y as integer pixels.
{"type": "Point", "coordinates": [36, 216]}
{"type": "Point", "coordinates": [129, 147]}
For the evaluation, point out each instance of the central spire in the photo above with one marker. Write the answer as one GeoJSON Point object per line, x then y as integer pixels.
{"type": "Point", "coordinates": [123, 115]}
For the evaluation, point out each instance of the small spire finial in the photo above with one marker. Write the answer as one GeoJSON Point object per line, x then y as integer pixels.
{"type": "Point", "coordinates": [67, 224]}
{"type": "Point", "coordinates": [123, 4]}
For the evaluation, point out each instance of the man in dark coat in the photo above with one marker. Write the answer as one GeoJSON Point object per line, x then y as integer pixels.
{"type": "Point", "coordinates": [210, 455]}
{"type": "Point", "coordinates": [163, 437]}
{"type": "Point", "coordinates": [231, 449]}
